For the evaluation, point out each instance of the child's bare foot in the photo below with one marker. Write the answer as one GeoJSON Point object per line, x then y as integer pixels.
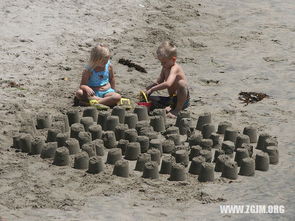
{"type": "Point", "coordinates": [94, 98]}
{"type": "Point", "coordinates": [172, 114]}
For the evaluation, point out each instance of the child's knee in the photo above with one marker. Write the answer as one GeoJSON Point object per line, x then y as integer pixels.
{"type": "Point", "coordinates": [116, 97]}
{"type": "Point", "coordinates": [182, 87]}
{"type": "Point", "coordinates": [79, 93]}
{"type": "Point", "coordinates": [182, 84]}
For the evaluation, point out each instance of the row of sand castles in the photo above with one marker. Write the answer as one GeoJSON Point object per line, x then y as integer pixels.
{"type": "Point", "coordinates": [148, 139]}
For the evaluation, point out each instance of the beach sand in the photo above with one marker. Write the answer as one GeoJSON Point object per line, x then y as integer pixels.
{"type": "Point", "coordinates": [224, 46]}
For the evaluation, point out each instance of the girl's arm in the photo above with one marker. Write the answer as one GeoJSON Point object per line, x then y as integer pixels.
{"type": "Point", "coordinates": [112, 77]}
{"type": "Point", "coordinates": [83, 84]}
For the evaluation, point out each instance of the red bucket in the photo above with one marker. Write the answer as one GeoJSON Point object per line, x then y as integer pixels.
{"type": "Point", "coordinates": [147, 104]}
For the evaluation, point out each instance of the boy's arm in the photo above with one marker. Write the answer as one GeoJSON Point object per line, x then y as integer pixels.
{"type": "Point", "coordinates": [112, 77]}
{"type": "Point", "coordinates": [165, 84]}
{"type": "Point", "coordinates": [159, 80]}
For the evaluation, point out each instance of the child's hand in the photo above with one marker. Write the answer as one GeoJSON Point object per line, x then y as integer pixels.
{"type": "Point", "coordinates": [149, 92]}
{"type": "Point", "coordinates": [89, 91]}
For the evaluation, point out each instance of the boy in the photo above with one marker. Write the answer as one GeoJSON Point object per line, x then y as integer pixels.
{"type": "Point", "coordinates": [171, 77]}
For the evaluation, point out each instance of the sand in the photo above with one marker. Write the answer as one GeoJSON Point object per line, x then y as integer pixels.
{"type": "Point", "coordinates": [225, 47]}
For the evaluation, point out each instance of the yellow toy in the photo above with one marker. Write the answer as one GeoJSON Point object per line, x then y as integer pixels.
{"type": "Point", "coordinates": [95, 103]}
{"type": "Point", "coordinates": [125, 102]}
{"type": "Point", "coordinates": [143, 100]}
{"type": "Point", "coordinates": [143, 97]}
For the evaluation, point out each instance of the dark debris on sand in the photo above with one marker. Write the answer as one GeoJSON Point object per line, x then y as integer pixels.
{"type": "Point", "coordinates": [251, 97]}
{"type": "Point", "coordinates": [130, 64]}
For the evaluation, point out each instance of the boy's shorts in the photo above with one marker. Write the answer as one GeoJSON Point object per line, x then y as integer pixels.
{"type": "Point", "coordinates": [103, 93]}
{"type": "Point", "coordinates": [185, 105]}
{"type": "Point", "coordinates": [163, 102]}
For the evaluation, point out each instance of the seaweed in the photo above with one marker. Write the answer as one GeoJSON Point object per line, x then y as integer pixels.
{"type": "Point", "coordinates": [251, 97]}
{"type": "Point", "coordinates": [130, 64]}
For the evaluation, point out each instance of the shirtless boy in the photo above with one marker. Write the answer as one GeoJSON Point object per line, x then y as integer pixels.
{"type": "Point", "coordinates": [171, 78]}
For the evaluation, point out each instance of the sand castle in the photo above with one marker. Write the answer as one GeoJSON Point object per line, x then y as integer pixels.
{"type": "Point", "coordinates": [204, 150]}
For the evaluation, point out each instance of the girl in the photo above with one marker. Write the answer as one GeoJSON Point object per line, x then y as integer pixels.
{"type": "Point", "coordinates": [98, 80]}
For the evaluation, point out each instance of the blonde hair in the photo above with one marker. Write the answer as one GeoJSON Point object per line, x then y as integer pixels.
{"type": "Point", "coordinates": [167, 50]}
{"type": "Point", "coordinates": [99, 53]}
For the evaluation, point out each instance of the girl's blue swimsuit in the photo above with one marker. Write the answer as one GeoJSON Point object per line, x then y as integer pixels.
{"type": "Point", "coordinates": [98, 79]}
